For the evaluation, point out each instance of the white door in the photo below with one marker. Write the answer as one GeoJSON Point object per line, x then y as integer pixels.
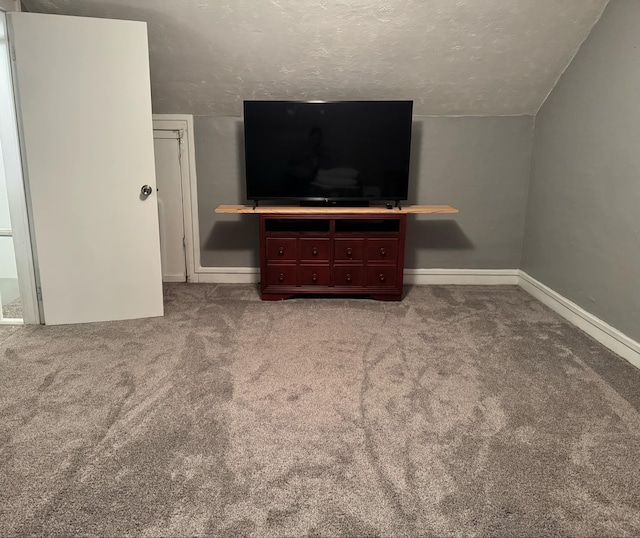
{"type": "Point", "coordinates": [170, 205]}
{"type": "Point", "coordinates": [84, 104]}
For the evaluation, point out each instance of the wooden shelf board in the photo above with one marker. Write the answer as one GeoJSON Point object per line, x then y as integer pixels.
{"type": "Point", "coordinates": [409, 209]}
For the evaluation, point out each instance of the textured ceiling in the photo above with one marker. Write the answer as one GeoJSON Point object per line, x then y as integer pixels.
{"type": "Point", "coordinates": [452, 57]}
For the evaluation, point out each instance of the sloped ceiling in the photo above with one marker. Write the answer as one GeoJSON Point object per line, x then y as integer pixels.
{"type": "Point", "coordinates": [452, 57]}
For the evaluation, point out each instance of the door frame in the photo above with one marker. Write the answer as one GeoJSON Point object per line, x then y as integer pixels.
{"type": "Point", "coordinates": [183, 124]}
{"type": "Point", "coordinates": [12, 159]}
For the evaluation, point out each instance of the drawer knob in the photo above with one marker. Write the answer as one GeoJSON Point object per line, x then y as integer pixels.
{"type": "Point", "coordinates": [280, 251]}
{"type": "Point", "coordinates": [349, 251]}
{"type": "Point", "coordinates": [281, 277]}
{"type": "Point", "coordinates": [348, 277]}
{"type": "Point", "coordinates": [381, 277]}
{"type": "Point", "coordinates": [314, 251]}
{"type": "Point", "coordinates": [314, 277]}
{"type": "Point", "coordinates": [383, 252]}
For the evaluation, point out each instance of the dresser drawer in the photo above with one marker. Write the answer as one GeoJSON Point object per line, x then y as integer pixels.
{"type": "Point", "coordinates": [282, 275]}
{"type": "Point", "coordinates": [314, 275]}
{"type": "Point", "coordinates": [349, 249]}
{"type": "Point", "coordinates": [348, 275]}
{"type": "Point", "coordinates": [381, 276]}
{"type": "Point", "coordinates": [281, 249]}
{"type": "Point", "coordinates": [382, 249]}
{"type": "Point", "coordinates": [312, 250]}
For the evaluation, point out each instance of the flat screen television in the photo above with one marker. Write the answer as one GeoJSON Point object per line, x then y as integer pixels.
{"type": "Point", "coordinates": [334, 153]}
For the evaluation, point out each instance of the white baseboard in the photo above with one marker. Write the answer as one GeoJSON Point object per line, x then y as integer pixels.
{"type": "Point", "coordinates": [227, 275]}
{"type": "Point", "coordinates": [596, 328]}
{"type": "Point", "coordinates": [11, 321]}
{"type": "Point", "coordinates": [477, 277]}
{"type": "Point", "coordinates": [173, 278]}
{"type": "Point", "coordinates": [485, 277]}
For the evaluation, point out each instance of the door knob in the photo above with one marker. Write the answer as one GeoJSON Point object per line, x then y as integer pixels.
{"type": "Point", "coordinates": [146, 190]}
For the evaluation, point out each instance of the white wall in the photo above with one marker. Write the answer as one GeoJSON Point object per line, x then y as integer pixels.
{"type": "Point", "coordinates": [5, 220]}
{"type": "Point", "coordinates": [7, 256]}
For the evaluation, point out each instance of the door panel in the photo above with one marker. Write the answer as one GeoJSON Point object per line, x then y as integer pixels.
{"type": "Point", "coordinates": [169, 181]}
{"type": "Point", "coordinates": [84, 106]}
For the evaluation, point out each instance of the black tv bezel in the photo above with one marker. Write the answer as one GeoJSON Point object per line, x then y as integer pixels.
{"type": "Point", "coordinates": [333, 200]}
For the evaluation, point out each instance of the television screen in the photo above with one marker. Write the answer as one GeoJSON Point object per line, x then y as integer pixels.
{"type": "Point", "coordinates": [327, 151]}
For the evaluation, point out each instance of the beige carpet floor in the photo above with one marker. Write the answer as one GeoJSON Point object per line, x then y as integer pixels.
{"type": "Point", "coordinates": [460, 411]}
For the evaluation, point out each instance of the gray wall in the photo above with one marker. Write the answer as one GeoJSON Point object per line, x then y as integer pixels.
{"type": "Point", "coordinates": [9, 5]}
{"type": "Point", "coordinates": [479, 165]}
{"type": "Point", "coordinates": [225, 240]}
{"type": "Point", "coordinates": [583, 221]}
